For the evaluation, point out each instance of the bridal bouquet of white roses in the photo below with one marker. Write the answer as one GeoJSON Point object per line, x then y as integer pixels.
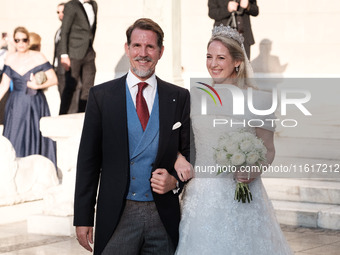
{"type": "Point", "coordinates": [237, 149]}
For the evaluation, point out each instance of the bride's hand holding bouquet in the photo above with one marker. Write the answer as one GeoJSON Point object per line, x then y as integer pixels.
{"type": "Point", "coordinates": [245, 153]}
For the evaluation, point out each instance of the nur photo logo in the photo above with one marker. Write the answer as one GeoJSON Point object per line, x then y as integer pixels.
{"type": "Point", "coordinates": [204, 99]}
{"type": "Point", "coordinates": [243, 104]}
{"type": "Point", "coordinates": [209, 93]}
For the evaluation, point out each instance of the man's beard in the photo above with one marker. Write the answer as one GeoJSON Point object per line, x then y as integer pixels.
{"type": "Point", "coordinates": [142, 73]}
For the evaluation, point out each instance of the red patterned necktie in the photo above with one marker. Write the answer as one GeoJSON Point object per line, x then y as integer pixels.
{"type": "Point", "coordinates": [141, 106]}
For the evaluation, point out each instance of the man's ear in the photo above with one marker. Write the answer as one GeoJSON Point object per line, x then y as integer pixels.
{"type": "Point", "coordinates": [161, 52]}
{"type": "Point", "coordinates": [126, 47]}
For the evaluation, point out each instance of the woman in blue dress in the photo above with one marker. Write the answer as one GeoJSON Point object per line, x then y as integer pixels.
{"type": "Point", "coordinates": [26, 103]}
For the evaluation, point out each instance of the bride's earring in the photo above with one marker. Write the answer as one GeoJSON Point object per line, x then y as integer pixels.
{"type": "Point", "coordinates": [236, 68]}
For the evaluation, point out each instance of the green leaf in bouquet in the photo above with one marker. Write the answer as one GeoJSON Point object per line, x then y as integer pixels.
{"type": "Point", "coordinates": [242, 193]}
{"type": "Point", "coordinates": [236, 193]}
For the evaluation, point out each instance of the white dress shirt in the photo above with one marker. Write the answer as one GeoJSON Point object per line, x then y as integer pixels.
{"type": "Point", "coordinates": [149, 92]}
{"type": "Point", "coordinates": [89, 11]}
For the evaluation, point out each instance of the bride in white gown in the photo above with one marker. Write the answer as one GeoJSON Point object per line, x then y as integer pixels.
{"type": "Point", "coordinates": [212, 221]}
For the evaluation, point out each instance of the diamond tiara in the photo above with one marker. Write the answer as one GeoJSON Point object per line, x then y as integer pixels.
{"type": "Point", "coordinates": [229, 32]}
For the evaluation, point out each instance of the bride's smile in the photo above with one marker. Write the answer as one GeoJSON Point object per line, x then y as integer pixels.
{"type": "Point", "coordinates": [219, 63]}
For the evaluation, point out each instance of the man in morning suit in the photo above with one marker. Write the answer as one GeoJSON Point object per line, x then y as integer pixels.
{"type": "Point", "coordinates": [134, 128]}
{"type": "Point", "coordinates": [58, 68]}
{"type": "Point", "coordinates": [221, 11]}
{"type": "Point", "coordinates": [77, 54]}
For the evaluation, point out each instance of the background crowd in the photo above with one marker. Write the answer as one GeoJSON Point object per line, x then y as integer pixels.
{"type": "Point", "coordinates": [26, 76]}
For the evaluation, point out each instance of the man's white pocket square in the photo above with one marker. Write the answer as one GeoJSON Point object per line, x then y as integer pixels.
{"type": "Point", "coordinates": [176, 125]}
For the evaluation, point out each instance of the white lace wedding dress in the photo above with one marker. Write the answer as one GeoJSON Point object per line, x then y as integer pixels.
{"type": "Point", "coordinates": [212, 221]}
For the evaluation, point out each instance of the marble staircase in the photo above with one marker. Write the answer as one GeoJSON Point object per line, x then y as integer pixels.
{"type": "Point", "coordinates": [309, 196]}
{"type": "Point", "coordinates": [305, 202]}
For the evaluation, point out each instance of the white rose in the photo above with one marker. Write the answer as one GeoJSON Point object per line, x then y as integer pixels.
{"type": "Point", "coordinates": [238, 159]}
{"type": "Point", "coordinates": [231, 147]}
{"type": "Point", "coordinates": [263, 153]}
{"type": "Point", "coordinates": [252, 158]}
{"type": "Point", "coordinates": [258, 144]}
{"type": "Point", "coordinates": [236, 137]}
{"type": "Point", "coordinates": [221, 158]}
{"type": "Point", "coordinates": [246, 146]}
{"type": "Point", "coordinates": [248, 135]}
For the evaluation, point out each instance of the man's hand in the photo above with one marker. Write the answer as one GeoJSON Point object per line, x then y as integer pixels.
{"type": "Point", "coordinates": [183, 168]}
{"type": "Point", "coordinates": [85, 237]}
{"type": "Point", "coordinates": [65, 62]}
{"type": "Point", "coordinates": [232, 6]}
{"type": "Point", "coordinates": [244, 4]}
{"type": "Point", "coordinates": [162, 182]}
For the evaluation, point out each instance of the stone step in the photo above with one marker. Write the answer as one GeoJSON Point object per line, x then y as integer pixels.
{"type": "Point", "coordinates": [307, 214]}
{"type": "Point", "coordinates": [20, 212]}
{"type": "Point", "coordinates": [310, 191]}
{"type": "Point", "coordinates": [309, 147]}
{"type": "Point", "coordinates": [41, 224]}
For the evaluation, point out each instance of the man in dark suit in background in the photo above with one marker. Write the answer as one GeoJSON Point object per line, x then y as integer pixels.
{"type": "Point", "coordinates": [58, 68]}
{"type": "Point", "coordinates": [221, 11]}
{"type": "Point", "coordinates": [77, 54]}
{"type": "Point", "coordinates": [134, 128]}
